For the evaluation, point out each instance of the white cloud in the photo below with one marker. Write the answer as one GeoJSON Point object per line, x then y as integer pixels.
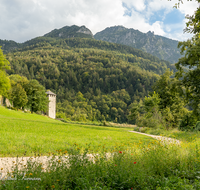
{"type": "Point", "coordinates": [158, 28]}
{"type": "Point", "coordinates": [137, 5]}
{"type": "Point", "coordinates": [22, 20]}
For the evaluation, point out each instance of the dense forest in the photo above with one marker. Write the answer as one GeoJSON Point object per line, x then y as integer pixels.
{"type": "Point", "coordinates": [93, 80]}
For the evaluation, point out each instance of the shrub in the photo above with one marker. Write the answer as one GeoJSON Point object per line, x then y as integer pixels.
{"type": "Point", "coordinates": [197, 126]}
{"type": "Point", "coordinates": [188, 122]}
{"type": "Point", "coordinates": [137, 129]}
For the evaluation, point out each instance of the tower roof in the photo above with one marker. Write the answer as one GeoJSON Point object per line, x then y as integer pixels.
{"type": "Point", "coordinates": [50, 93]}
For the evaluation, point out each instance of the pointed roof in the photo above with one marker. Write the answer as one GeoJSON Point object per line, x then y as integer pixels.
{"type": "Point", "coordinates": [50, 93]}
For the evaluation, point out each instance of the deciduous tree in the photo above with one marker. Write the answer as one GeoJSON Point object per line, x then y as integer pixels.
{"type": "Point", "coordinates": [4, 80]}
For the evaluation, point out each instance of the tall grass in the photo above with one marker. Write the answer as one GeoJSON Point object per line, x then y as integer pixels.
{"type": "Point", "coordinates": [155, 166]}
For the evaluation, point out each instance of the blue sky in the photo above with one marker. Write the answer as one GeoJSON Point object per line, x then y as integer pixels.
{"type": "Point", "coordinates": [22, 20]}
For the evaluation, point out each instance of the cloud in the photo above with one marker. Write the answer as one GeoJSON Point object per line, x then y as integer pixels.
{"type": "Point", "coordinates": [22, 20]}
{"type": "Point", "coordinates": [137, 5]}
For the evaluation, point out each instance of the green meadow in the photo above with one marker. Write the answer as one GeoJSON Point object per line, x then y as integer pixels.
{"type": "Point", "coordinates": [25, 134]}
{"type": "Point", "coordinates": [135, 162]}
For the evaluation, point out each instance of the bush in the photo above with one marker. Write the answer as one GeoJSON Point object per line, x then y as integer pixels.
{"type": "Point", "coordinates": [188, 122]}
{"type": "Point", "coordinates": [197, 126]}
{"type": "Point", "coordinates": [143, 129]}
{"type": "Point", "coordinates": [137, 129]}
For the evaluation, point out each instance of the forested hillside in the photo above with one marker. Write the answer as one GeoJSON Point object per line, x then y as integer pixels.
{"type": "Point", "coordinates": [93, 80]}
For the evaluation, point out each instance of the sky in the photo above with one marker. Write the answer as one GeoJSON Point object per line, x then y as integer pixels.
{"type": "Point", "coordinates": [22, 20]}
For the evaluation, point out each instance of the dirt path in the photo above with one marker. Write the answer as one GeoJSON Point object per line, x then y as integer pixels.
{"type": "Point", "coordinates": [161, 138]}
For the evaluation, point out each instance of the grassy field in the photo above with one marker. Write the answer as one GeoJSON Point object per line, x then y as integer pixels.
{"type": "Point", "coordinates": [136, 162]}
{"type": "Point", "coordinates": [30, 134]}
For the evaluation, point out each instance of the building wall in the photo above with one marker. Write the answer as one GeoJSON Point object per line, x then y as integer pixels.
{"type": "Point", "coordinates": [5, 102]}
{"type": "Point", "coordinates": [52, 106]}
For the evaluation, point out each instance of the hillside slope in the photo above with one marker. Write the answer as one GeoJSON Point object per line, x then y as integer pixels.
{"type": "Point", "coordinates": [93, 80]}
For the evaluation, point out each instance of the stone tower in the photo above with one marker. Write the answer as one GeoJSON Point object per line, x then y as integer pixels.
{"type": "Point", "coordinates": [51, 110]}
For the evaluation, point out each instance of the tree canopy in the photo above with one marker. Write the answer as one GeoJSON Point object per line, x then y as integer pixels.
{"type": "Point", "coordinates": [4, 80]}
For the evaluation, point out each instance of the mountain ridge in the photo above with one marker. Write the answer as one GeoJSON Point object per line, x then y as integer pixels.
{"type": "Point", "coordinates": [159, 46]}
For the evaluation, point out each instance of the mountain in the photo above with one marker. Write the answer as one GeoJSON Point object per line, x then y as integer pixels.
{"type": "Point", "coordinates": [70, 32]}
{"type": "Point", "coordinates": [9, 45]}
{"type": "Point", "coordinates": [161, 47]}
{"type": "Point", "coordinates": [62, 33]}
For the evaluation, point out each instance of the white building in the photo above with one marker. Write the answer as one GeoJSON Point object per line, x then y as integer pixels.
{"type": "Point", "coordinates": [51, 110]}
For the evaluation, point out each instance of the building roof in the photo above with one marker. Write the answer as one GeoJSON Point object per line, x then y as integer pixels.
{"type": "Point", "coordinates": [50, 93]}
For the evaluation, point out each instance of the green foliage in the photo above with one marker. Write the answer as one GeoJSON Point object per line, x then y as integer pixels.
{"type": "Point", "coordinates": [188, 122]}
{"type": "Point", "coordinates": [197, 126]}
{"type": "Point", "coordinates": [172, 101]}
{"type": "Point", "coordinates": [4, 80]}
{"type": "Point", "coordinates": [4, 64]}
{"type": "Point", "coordinates": [27, 93]}
{"type": "Point", "coordinates": [190, 78]}
{"type": "Point", "coordinates": [4, 83]}
{"type": "Point", "coordinates": [108, 81]}
{"type": "Point", "coordinates": [146, 113]}
{"type": "Point", "coordinates": [37, 98]}
{"type": "Point", "coordinates": [18, 96]}
{"type": "Point", "coordinates": [192, 25]}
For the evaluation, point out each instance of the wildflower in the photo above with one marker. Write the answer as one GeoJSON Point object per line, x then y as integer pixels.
{"type": "Point", "coordinates": [58, 180]}
{"type": "Point", "coordinates": [30, 174]}
{"type": "Point", "coordinates": [13, 161]}
{"type": "Point", "coordinates": [27, 187]}
{"type": "Point", "coordinates": [1, 168]}
{"type": "Point", "coordinates": [134, 162]}
{"type": "Point", "coordinates": [53, 186]}
{"type": "Point", "coordinates": [42, 168]}
{"type": "Point", "coordinates": [59, 161]}
{"type": "Point", "coordinates": [120, 152]}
